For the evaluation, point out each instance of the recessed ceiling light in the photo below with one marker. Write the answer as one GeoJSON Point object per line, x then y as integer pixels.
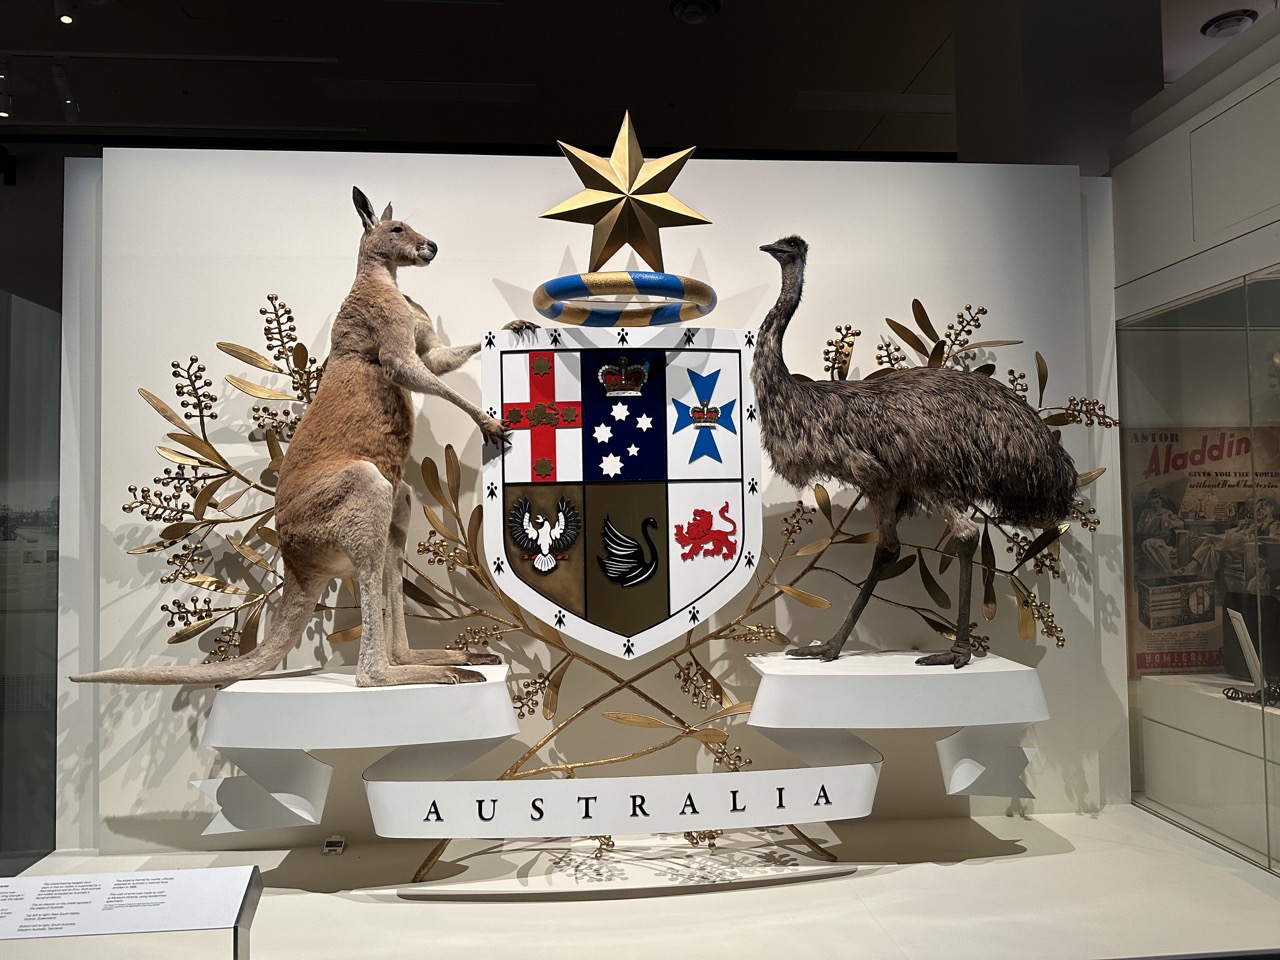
{"type": "Point", "coordinates": [694, 11]}
{"type": "Point", "coordinates": [1229, 24]}
{"type": "Point", "coordinates": [5, 103]}
{"type": "Point", "coordinates": [62, 10]}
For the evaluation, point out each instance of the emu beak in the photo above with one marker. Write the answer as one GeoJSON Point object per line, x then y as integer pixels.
{"type": "Point", "coordinates": [773, 249]}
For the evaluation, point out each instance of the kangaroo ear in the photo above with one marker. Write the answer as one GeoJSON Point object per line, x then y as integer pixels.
{"type": "Point", "coordinates": [364, 208]}
{"type": "Point", "coordinates": [386, 214]}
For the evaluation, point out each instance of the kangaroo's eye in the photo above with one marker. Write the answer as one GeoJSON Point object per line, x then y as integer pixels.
{"type": "Point", "coordinates": [397, 229]}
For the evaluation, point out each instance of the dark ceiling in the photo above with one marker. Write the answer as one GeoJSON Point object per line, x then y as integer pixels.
{"type": "Point", "coordinates": [756, 76]}
{"type": "Point", "coordinates": [973, 80]}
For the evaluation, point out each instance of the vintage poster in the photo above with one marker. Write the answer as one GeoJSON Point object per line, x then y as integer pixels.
{"type": "Point", "coordinates": [1203, 535]}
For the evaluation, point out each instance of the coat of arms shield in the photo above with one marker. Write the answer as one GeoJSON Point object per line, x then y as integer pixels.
{"type": "Point", "coordinates": [626, 509]}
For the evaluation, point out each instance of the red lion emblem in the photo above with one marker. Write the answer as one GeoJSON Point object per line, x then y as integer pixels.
{"type": "Point", "coordinates": [701, 536]}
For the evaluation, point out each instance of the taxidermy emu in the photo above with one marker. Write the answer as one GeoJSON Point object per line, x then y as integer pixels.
{"type": "Point", "coordinates": [927, 436]}
{"type": "Point", "coordinates": [341, 502]}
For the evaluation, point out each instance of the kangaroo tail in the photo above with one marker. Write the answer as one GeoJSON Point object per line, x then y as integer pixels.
{"type": "Point", "coordinates": [296, 606]}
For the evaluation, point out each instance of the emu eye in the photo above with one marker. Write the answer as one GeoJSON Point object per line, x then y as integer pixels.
{"type": "Point", "coordinates": [397, 229]}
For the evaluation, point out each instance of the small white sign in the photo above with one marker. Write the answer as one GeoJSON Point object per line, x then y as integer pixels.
{"type": "Point", "coordinates": [76, 905]}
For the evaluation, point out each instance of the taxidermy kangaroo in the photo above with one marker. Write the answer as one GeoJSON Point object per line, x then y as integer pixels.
{"type": "Point", "coordinates": [341, 503]}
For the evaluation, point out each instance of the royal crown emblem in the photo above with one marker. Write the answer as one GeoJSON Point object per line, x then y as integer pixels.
{"type": "Point", "coordinates": [623, 379]}
{"type": "Point", "coordinates": [705, 415]}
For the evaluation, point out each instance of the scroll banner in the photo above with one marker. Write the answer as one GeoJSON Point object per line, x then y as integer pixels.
{"type": "Point", "coordinates": [410, 796]}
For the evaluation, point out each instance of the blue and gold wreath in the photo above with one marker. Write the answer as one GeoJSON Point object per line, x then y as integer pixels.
{"type": "Point", "coordinates": [686, 299]}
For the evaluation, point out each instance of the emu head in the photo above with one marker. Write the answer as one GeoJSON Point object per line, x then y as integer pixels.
{"type": "Point", "coordinates": [390, 241]}
{"type": "Point", "coordinates": [787, 250]}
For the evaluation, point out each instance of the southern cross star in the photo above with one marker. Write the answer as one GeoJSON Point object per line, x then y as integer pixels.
{"type": "Point", "coordinates": [626, 198]}
{"type": "Point", "coordinates": [611, 465]}
{"type": "Point", "coordinates": [620, 411]}
{"type": "Point", "coordinates": [644, 422]}
{"type": "Point", "coordinates": [603, 433]}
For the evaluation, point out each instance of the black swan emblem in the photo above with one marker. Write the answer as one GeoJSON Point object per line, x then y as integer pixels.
{"type": "Point", "coordinates": [626, 564]}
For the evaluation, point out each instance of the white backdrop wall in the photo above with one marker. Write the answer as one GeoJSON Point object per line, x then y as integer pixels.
{"type": "Point", "coordinates": [192, 241]}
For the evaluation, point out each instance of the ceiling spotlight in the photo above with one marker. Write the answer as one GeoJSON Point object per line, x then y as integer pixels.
{"type": "Point", "coordinates": [5, 103]}
{"type": "Point", "coordinates": [694, 11]}
{"type": "Point", "coordinates": [70, 109]}
{"type": "Point", "coordinates": [62, 10]}
{"type": "Point", "coordinates": [1229, 24]}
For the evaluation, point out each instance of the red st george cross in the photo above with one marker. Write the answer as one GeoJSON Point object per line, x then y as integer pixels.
{"type": "Point", "coordinates": [542, 416]}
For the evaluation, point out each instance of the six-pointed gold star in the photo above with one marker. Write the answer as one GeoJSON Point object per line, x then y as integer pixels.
{"type": "Point", "coordinates": [626, 198]}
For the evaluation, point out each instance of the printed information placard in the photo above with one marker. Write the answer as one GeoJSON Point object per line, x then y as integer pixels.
{"type": "Point", "coordinates": [92, 904]}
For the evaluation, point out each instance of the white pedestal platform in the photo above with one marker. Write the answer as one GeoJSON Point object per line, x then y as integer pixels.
{"type": "Point", "coordinates": [992, 700]}
{"type": "Point", "coordinates": [266, 727]}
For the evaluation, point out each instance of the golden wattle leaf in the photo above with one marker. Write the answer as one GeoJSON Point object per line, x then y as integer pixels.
{"type": "Point", "coordinates": [165, 410]}
{"type": "Point", "coordinates": [808, 599]}
{"type": "Point", "coordinates": [823, 499]}
{"type": "Point", "coordinates": [254, 390]}
{"type": "Point", "coordinates": [639, 720]}
{"type": "Point", "coordinates": [251, 357]}
{"type": "Point", "coordinates": [431, 477]}
{"type": "Point", "coordinates": [922, 320]}
{"type": "Point", "coordinates": [551, 695]}
{"type": "Point", "coordinates": [931, 586]}
{"type": "Point", "coordinates": [192, 630]}
{"type": "Point", "coordinates": [732, 711]}
{"type": "Point", "coordinates": [347, 635]}
{"type": "Point", "coordinates": [908, 337]}
{"type": "Point", "coordinates": [1086, 478]}
{"type": "Point", "coordinates": [809, 549]}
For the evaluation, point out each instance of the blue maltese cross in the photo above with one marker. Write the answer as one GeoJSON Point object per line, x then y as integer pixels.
{"type": "Point", "coordinates": [704, 418]}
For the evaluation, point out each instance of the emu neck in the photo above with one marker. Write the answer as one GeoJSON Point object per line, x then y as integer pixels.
{"type": "Point", "coordinates": [772, 373]}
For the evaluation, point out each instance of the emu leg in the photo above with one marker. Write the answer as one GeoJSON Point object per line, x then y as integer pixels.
{"type": "Point", "coordinates": [960, 651]}
{"type": "Point", "coordinates": [830, 649]}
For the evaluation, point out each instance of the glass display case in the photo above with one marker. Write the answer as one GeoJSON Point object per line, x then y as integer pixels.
{"type": "Point", "coordinates": [1200, 453]}
{"type": "Point", "coordinates": [30, 355]}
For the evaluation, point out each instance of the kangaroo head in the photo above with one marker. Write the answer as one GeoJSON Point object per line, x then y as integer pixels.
{"type": "Point", "coordinates": [390, 241]}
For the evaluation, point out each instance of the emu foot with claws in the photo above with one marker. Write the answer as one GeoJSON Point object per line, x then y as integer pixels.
{"type": "Point", "coordinates": [818, 651]}
{"type": "Point", "coordinates": [956, 657]}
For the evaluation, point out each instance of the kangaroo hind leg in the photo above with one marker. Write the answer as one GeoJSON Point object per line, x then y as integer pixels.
{"type": "Point", "coordinates": [362, 528]}
{"type": "Point", "coordinates": [393, 591]}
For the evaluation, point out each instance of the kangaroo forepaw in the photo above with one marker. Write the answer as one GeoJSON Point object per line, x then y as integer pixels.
{"type": "Point", "coordinates": [483, 659]}
{"type": "Point", "coordinates": [462, 675]}
{"type": "Point", "coordinates": [521, 327]}
{"type": "Point", "coordinates": [494, 432]}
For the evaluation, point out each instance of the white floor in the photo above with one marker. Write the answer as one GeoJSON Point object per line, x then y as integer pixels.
{"type": "Point", "coordinates": [1120, 884]}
